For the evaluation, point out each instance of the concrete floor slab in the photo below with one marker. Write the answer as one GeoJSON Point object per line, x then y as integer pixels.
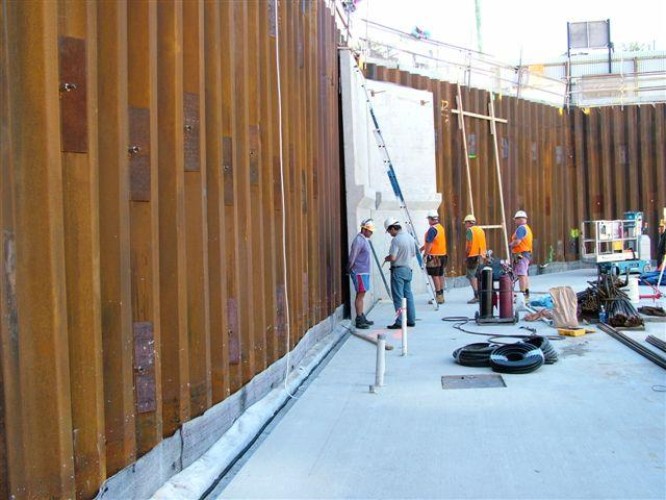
{"type": "Point", "coordinates": [592, 425]}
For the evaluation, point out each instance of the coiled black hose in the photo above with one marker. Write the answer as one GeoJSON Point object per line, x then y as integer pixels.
{"type": "Point", "coordinates": [517, 358]}
{"type": "Point", "coordinates": [477, 354]}
{"type": "Point", "coordinates": [546, 347]}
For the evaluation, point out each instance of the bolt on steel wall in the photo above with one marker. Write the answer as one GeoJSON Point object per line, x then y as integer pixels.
{"type": "Point", "coordinates": [561, 166]}
{"type": "Point", "coordinates": [144, 148]}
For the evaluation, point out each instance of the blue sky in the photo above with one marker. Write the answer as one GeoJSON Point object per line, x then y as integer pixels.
{"type": "Point", "coordinates": [537, 27]}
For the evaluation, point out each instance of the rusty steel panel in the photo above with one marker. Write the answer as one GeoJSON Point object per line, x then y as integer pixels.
{"type": "Point", "coordinates": [228, 170]}
{"type": "Point", "coordinates": [73, 94]}
{"type": "Point", "coordinates": [139, 154]}
{"type": "Point", "coordinates": [192, 128]}
{"type": "Point", "coordinates": [144, 366]}
{"type": "Point", "coordinates": [233, 331]}
{"type": "Point", "coordinates": [160, 260]}
{"type": "Point", "coordinates": [215, 200]}
{"type": "Point", "coordinates": [253, 134]}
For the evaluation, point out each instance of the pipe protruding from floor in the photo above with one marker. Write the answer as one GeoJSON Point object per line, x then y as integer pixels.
{"type": "Point", "coordinates": [381, 360]}
{"type": "Point", "coordinates": [404, 326]}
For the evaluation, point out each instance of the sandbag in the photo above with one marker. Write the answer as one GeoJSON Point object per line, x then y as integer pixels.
{"type": "Point", "coordinates": [565, 306]}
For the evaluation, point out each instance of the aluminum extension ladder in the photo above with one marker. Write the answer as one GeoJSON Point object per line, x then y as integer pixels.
{"type": "Point", "coordinates": [396, 186]}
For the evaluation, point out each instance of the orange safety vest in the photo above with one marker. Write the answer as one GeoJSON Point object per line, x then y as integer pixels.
{"type": "Point", "coordinates": [477, 245]}
{"type": "Point", "coordinates": [439, 243]}
{"type": "Point", "coordinates": [526, 244]}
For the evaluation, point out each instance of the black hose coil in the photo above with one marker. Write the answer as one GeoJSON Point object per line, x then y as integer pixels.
{"type": "Point", "coordinates": [477, 354]}
{"type": "Point", "coordinates": [516, 358]}
{"type": "Point", "coordinates": [544, 344]}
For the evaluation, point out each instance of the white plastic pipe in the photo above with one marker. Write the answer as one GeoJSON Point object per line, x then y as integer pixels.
{"type": "Point", "coordinates": [381, 360]}
{"type": "Point", "coordinates": [404, 326]}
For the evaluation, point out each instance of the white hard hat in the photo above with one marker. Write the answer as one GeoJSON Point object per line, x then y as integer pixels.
{"type": "Point", "coordinates": [432, 214]}
{"type": "Point", "coordinates": [470, 218]}
{"type": "Point", "coordinates": [391, 221]}
{"type": "Point", "coordinates": [520, 214]}
{"type": "Point", "coordinates": [368, 224]}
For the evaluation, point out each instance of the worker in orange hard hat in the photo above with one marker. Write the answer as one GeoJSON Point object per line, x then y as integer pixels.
{"type": "Point", "coordinates": [475, 251]}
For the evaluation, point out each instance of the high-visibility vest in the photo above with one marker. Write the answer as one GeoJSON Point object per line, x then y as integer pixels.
{"type": "Point", "coordinates": [439, 243]}
{"type": "Point", "coordinates": [526, 244]}
{"type": "Point", "coordinates": [477, 245]}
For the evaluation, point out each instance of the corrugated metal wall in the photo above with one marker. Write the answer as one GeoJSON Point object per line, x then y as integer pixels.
{"type": "Point", "coordinates": [562, 167]}
{"type": "Point", "coordinates": [142, 261]}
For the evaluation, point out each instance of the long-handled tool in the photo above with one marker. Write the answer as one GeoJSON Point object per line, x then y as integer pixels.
{"type": "Point", "coordinates": [380, 266]}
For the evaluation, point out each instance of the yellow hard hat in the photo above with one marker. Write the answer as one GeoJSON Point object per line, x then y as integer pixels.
{"type": "Point", "coordinates": [368, 224]}
{"type": "Point", "coordinates": [662, 223]}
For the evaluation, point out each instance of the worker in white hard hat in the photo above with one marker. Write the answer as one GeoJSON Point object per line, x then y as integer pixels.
{"type": "Point", "coordinates": [358, 267]}
{"type": "Point", "coordinates": [661, 245]}
{"type": "Point", "coordinates": [475, 251]}
{"type": "Point", "coordinates": [401, 253]}
{"type": "Point", "coordinates": [521, 251]}
{"type": "Point", "coordinates": [435, 255]}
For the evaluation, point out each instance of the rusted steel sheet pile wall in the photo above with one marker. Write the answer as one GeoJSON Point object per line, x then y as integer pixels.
{"type": "Point", "coordinates": [142, 273]}
{"type": "Point", "coordinates": [562, 167]}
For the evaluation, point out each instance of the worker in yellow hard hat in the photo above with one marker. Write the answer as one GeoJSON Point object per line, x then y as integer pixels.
{"type": "Point", "coordinates": [358, 267]}
{"type": "Point", "coordinates": [475, 252]}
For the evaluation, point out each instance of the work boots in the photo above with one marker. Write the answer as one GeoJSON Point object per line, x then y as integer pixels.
{"type": "Point", "coordinates": [439, 297]}
{"type": "Point", "coordinates": [361, 323]}
{"type": "Point", "coordinates": [366, 320]}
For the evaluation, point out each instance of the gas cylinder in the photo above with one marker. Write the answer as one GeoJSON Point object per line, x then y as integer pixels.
{"type": "Point", "coordinates": [486, 293]}
{"type": "Point", "coordinates": [505, 297]}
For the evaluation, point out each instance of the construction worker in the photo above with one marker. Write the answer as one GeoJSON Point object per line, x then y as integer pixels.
{"type": "Point", "coordinates": [661, 244]}
{"type": "Point", "coordinates": [434, 253]}
{"type": "Point", "coordinates": [401, 253]}
{"type": "Point", "coordinates": [475, 250]}
{"type": "Point", "coordinates": [521, 251]}
{"type": "Point", "coordinates": [359, 270]}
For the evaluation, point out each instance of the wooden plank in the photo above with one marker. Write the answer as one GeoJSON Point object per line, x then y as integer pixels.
{"type": "Point", "coordinates": [198, 323]}
{"type": "Point", "coordinates": [144, 213]}
{"type": "Point", "coordinates": [37, 399]}
{"type": "Point", "coordinates": [82, 249]}
{"type": "Point", "coordinates": [172, 222]}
